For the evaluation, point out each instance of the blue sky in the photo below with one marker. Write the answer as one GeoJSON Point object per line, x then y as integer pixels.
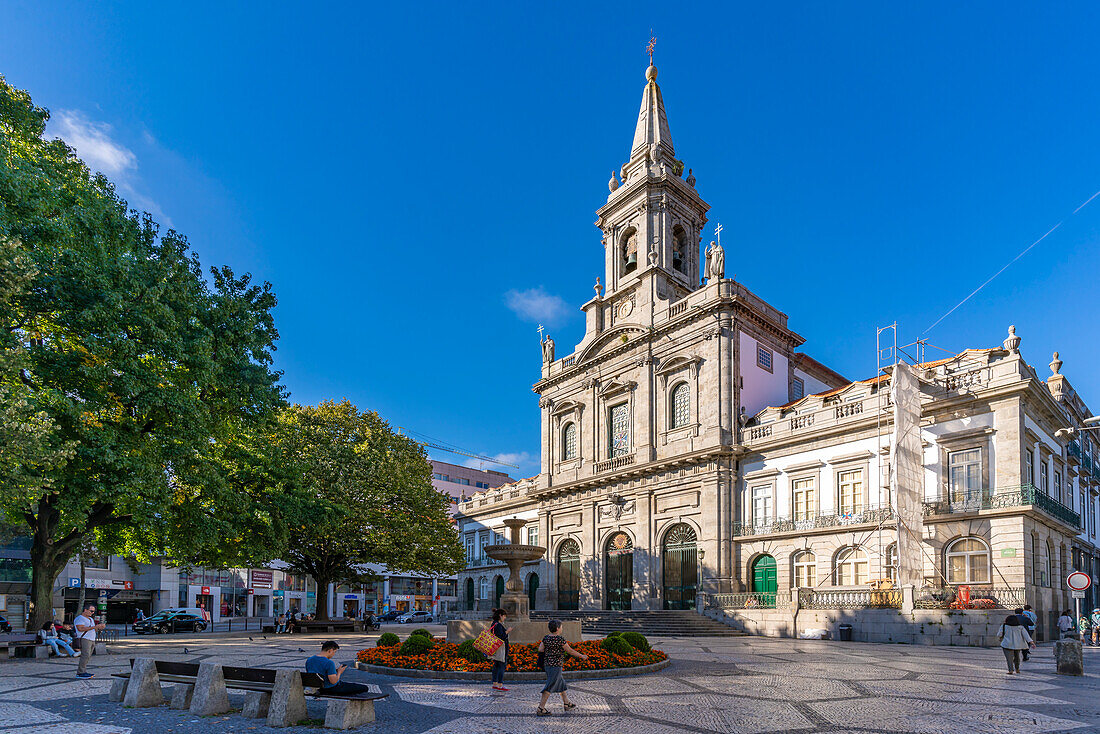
{"type": "Point", "coordinates": [420, 184]}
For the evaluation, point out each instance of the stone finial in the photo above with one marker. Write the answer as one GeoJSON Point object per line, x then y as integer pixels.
{"type": "Point", "coordinates": [1012, 343]}
{"type": "Point", "coordinates": [1055, 365]}
{"type": "Point", "coordinates": [598, 287]}
{"type": "Point", "coordinates": [613, 184]}
{"type": "Point", "coordinates": [690, 179]}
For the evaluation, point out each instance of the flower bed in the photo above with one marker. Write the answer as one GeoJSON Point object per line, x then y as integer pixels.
{"type": "Point", "coordinates": [444, 656]}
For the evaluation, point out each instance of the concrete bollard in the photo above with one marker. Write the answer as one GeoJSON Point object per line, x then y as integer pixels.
{"type": "Point", "coordinates": [1069, 657]}
{"type": "Point", "coordinates": [143, 690]}
{"type": "Point", "coordinates": [209, 697]}
{"type": "Point", "coordinates": [256, 705]}
{"type": "Point", "coordinates": [182, 694]}
{"type": "Point", "coordinates": [345, 714]}
{"type": "Point", "coordinates": [288, 699]}
{"type": "Point", "coordinates": [118, 689]}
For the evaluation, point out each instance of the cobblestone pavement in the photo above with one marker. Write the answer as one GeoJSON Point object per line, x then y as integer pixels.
{"type": "Point", "coordinates": [750, 684]}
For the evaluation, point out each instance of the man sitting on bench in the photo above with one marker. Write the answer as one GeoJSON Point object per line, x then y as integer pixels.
{"type": "Point", "coordinates": [324, 666]}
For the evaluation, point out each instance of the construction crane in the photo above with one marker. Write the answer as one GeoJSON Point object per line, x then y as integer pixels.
{"type": "Point", "coordinates": [432, 443]}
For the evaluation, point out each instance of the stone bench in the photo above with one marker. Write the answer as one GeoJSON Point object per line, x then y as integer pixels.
{"type": "Point", "coordinates": [329, 625]}
{"type": "Point", "coordinates": [22, 645]}
{"type": "Point", "coordinates": [275, 695]}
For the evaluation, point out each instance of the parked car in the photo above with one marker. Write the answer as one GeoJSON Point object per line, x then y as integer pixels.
{"type": "Point", "coordinates": [171, 620]}
{"type": "Point", "coordinates": [408, 617]}
{"type": "Point", "coordinates": [4, 626]}
{"type": "Point", "coordinates": [389, 616]}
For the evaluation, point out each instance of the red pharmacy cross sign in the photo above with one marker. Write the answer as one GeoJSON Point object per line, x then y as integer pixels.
{"type": "Point", "coordinates": [1078, 581]}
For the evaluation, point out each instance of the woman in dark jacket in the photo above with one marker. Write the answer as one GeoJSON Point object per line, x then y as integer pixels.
{"type": "Point", "coordinates": [500, 657]}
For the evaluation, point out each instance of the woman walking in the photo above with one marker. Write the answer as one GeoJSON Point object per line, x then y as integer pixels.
{"type": "Point", "coordinates": [554, 648]}
{"type": "Point", "coordinates": [1014, 640]}
{"type": "Point", "coordinates": [1065, 624]}
{"type": "Point", "coordinates": [500, 657]}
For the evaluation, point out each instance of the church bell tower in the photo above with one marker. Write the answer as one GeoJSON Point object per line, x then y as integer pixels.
{"type": "Point", "coordinates": [653, 219]}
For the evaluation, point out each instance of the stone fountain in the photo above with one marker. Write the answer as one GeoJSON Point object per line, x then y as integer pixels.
{"type": "Point", "coordinates": [513, 600]}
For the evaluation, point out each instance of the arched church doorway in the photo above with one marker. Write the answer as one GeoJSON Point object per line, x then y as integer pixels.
{"type": "Point", "coordinates": [569, 575]}
{"type": "Point", "coordinates": [469, 595]}
{"type": "Point", "coordinates": [532, 590]}
{"type": "Point", "coordinates": [762, 578]}
{"type": "Point", "coordinates": [680, 569]}
{"type": "Point", "coordinates": [619, 562]}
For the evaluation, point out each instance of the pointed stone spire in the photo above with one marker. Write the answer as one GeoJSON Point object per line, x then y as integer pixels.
{"type": "Point", "coordinates": [652, 137]}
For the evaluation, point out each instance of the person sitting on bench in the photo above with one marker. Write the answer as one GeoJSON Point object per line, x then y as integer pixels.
{"type": "Point", "coordinates": [324, 666]}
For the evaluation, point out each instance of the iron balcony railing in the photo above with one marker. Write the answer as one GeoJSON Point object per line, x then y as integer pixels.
{"type": "Point", "coordinates": [859, 515]}
{"type": "Point", "coordinates": [1000, 498]}
{"type": "Point", "coordinates": [849, 598]}
{"type": "Point", "coordinates": [969, 597]}
{"type": "Point", "coordinates": [483, 561]}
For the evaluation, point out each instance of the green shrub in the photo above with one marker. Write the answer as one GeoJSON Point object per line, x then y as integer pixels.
{"type": "Point", "coordinates": [467, 652]}
{"type": "Point", "coordinates": [616, 646]}
{"type": "Point", "coordinates": [388, 640]}
{"type": "Point", "coordinates": [422, 632]}
{"type": "Point", "coordinates": [636, 640]}
{"type": "Point", "coordinates": [615, 634]}
{"type": "Point", "coordinates": [416, 645]}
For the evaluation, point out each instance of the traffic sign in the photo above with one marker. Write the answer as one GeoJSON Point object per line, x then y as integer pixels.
{"type": "Point", "coordinates": [1078, 581]}
{"type": "Point", "coordinates": [1076, 595]}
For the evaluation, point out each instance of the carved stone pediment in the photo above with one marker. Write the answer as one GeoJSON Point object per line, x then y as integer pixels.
{"type": "Point", "coordinates": [567, 406]}
{"type": "Point", "coordinates": [614, 386]}
{"type": "Point", "coordinates": [610, 339]}
{"type": "Point", "coordinates": [679, 362]}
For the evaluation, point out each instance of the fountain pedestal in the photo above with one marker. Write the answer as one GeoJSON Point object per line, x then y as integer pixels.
{"type": "Point", "coordinates": [513, 600]}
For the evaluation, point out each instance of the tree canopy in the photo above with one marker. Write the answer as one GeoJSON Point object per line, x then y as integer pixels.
{"type": "Point", "coordinates": [360, 494]}
{"type": "Point", "coordinates": [124, 371]}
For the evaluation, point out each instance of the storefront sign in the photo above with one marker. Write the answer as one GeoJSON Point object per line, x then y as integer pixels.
{"type": "Point", "coordinates": [251, 592]}
{"type": "Point", "coordinates": [311, 594]}
{"type": "Point", "coordinates": [350, 596]}
{"type": "Point", "coordinates": [205, 591]}
{"type": "Point", "coordinates": [122, 584]}
{"type": "Point", "coordinates": [1008, 552]}
{"type": "Point", "coordinates": [277, 593]}
{"type": "Point", "coordinates": [262, 579]}
{"type": "Point", "coordinates": [401, 597]}
{"type": "Point", "coordinates": [74, 583]}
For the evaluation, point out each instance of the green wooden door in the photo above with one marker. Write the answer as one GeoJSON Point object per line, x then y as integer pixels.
{"type": "Point", "coordinates": [619, 562]}
{"type": "Point", "coordinates": [680, 568]}
{"type": "Point", "coordinates": [569, 575]}
{"type": "Point", "coordinates": [500, 591]}
{"type": "Point", "coordinates": [470, 595]}
{"type": "Point", "coordinates": [532, 590]}
{"type": "Point", "coordinates": [763, 580]}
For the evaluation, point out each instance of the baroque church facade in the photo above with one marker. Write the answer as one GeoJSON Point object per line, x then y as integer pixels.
{"type": "Point", "coordinates": [688, 445]}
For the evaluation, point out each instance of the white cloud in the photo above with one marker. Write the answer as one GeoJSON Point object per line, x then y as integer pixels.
{"type": "Point", "coordinates": [536, 305]}
{"type": "Point", "coordinates": [523, 459]}
{"type": "Point", "coordinates": [95, 145]}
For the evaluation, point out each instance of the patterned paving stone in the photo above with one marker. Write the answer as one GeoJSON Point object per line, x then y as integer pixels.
{"type": "Point", "coordinates": [73, 728]}
{"type": "Point", "coordinates": [966, 694]}
{"type": "Point", "coordinates": [774, 687]}
{"type": "Point", "coordinates": [478, 699]}
{"type": "Point", "coordinates": [823, 670]}
{"type": "Point", "coordinates": [17, 714]}
{"type": "Point", "coordinates": [936, 717]}
{"type": "Point", "coordinates": [990, 680]}
{"type": "Point", "coordinates": [555, 724]}
{"type": "Point", "coordinates": [724, 714]}
{"type": "Point", "coordinates": [636, 686]}
{"type": "Point", "coordinates": [711, 657]}
{"type": "Point", "coordinates": [68, 689]}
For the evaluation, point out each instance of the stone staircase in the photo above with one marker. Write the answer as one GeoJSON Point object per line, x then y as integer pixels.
{"type": "Point", "coordinates": [659, 623]}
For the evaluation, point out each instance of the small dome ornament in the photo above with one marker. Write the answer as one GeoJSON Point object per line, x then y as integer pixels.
{"type": "Point", "coordinates": [1055, 365]}
{"type": "Point", "coordinates": [651, 73]}
{"type": "Point", "coordinates": [613, 184]}
{"type": "Point", "coordinates": [1012, 343]}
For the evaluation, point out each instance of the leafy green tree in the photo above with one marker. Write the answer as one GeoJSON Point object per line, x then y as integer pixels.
{"type": "Point", "coordinates": [363, 495]}
{"type": "Point", "coordinates": [139, 368]}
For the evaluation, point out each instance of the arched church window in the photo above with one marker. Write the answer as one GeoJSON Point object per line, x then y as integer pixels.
{"type": "Point", "coordinates": [569, 442]}
{"type": "Point", "coordinates": [681, 405]}
{"type": "Point", "coordinates": [679, 249]}
{"type": "Point", "coordinates": [630, 251]}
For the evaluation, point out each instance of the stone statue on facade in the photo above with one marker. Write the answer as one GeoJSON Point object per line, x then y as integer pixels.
{"type": "Point", "coordinates": [547, 349]}
{"type": "Point", "coordinates": [716, 262]}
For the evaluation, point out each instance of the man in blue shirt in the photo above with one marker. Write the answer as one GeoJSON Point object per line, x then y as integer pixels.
{"type": "Point", "coordinates": [324, 666]}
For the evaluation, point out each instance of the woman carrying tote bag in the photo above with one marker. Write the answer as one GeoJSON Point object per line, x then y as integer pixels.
{"type": "Point", "coordinates": [500, 657]}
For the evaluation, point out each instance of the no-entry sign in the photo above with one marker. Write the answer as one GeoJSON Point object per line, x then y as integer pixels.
{"type": "Point", "coordinates": [1078, 581]}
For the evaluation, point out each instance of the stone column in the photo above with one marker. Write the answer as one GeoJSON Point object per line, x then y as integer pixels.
{"type": "Point", "coordinates": [1008, 422]}
{"type": "Point", "coordinates": [646, 551]}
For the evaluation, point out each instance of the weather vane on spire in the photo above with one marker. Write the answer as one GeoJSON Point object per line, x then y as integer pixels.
{"type": "Point", "coordinates": [650, 46]}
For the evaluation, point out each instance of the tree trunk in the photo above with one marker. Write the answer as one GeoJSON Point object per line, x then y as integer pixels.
{"type": "Point", "coordinates": [83, 587]}
{"type": "Point", "coordinates": [45, 566]}
{"type": "Point", "coordinates": [322, 597]}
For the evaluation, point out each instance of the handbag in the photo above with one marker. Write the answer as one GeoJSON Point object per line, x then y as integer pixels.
{"type": "Point", "coordinates": [487, 643]}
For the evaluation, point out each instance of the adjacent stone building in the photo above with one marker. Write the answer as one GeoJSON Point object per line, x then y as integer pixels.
{"type": "Point", "coordinates": [688, 445]}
